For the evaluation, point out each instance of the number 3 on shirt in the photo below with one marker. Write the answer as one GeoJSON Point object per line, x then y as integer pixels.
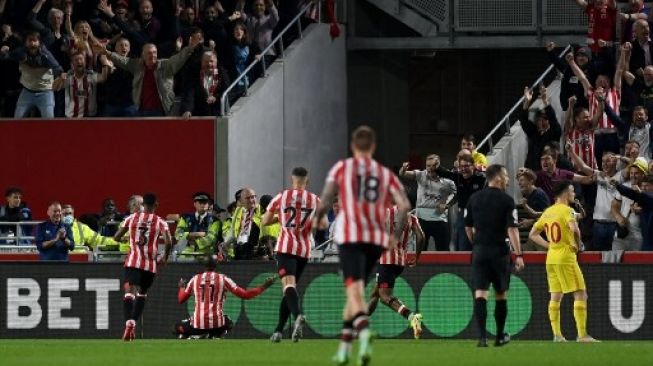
{"type": "Point", "coordinates": [553, 232]}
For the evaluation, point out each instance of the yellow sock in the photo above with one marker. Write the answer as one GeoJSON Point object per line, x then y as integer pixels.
{"type": "Point", "coordinates": [554, 317]}
{"type": "Point", "coordinates": [580, 314]}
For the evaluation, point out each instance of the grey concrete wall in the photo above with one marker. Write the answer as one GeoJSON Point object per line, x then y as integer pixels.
{"type": "Point", "coordinates": [297, 115]}
{"type": "Point", "coordinates": [315, 105]}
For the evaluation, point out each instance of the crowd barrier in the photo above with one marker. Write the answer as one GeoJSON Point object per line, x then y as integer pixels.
{"type": "Point", "coordinates": [82, 300]}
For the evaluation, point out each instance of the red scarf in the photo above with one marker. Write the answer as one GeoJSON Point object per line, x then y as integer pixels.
{"type": "Point", "coordinates": [211, 84]}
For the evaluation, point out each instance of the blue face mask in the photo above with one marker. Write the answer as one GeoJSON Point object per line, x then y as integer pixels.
{"type": "Point", "coordinates": [68, 219]}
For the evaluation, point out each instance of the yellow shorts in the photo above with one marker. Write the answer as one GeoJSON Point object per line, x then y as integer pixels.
{"type": "Point", "coordinates": [564, 278]}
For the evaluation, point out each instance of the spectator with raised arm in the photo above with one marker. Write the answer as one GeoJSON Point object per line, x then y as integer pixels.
{"type": "Point", "coordinates": [570, 85]}
{"type": "Point", "coordinates": [149, 29]}
{"type": "Point", "coordinates": [639, 130]}
{"type": "Point", "coordinates": [435, 194]}
{"type": "Point", "coordinates": [119, 104]}
{"type": "Point", "coordinates": [152, 86]}
{"type": "Point", "coordinates": [580, 127]}
{"type": "Point", "coordinates": [468, 180]}
{"type": "Point", "coordinates": [550, 174]}
{"type": "Point", "coordinates": [38, 69]}
{"type": "Point", "coordinates": [543, 130]}
{"type": "Point", "coordinates": [239, 57]}
{"type": "Point", "coordinates": [261, 24]}
{"type": "Point", "coordinates": [605, 133]}
{"type": "Point", "coordinates": [604, 225]}
{"type": "Point", "coordinates": [637, 10]}
{"type": "Point", "coordinates": [602, 23]}
{"type": "Point", "coordinates": [80, 87]}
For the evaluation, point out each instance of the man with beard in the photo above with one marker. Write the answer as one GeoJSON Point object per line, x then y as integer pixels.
{"type": "Point", "coordinates": [642, 88]}
{"type": "Point", "coordinates": [551, 174]}
{"type": "Point", "coordinates": [80, 87]}
{"type": "Point", "coordinates": [570, 84]}
{"type": "Point", "coordinates": [38, 69]}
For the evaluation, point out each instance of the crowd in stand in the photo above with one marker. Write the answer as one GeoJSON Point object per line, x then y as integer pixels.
{"type": "Point", "coordinates": [122, 58]}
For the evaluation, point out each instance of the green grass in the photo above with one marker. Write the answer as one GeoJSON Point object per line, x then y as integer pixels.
{"type": "Point", "coordinates": [316, 352]}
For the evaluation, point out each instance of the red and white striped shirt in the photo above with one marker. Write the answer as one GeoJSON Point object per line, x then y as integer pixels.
{"type": "Point", "coordinates": [365, 192]}
{"type": "Point", "coordinates": [210, 291]}
{"type": "Point", "coordinates": [397, 256]}
{"type": "Point", "coordinates": [296, 209]}
{"type": "Point", "coordinates": [81, 95]}
{"type": "Point", "coordinates": [612, 98]}
{"type": "Point", "coordinates": [144, 231]}
{"type": "Point", "coordinates": [582, 143]}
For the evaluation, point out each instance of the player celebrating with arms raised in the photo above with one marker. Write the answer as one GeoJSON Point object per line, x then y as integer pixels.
{"type": "Point", "coordinates": [294, 208]}
{"type": "Point", "coordinates": [365, 189]}
{"type": "Point", "coordinates": [391, 265]}
{"type": "Point", "coordinates": [140, 265]}
{"type": "Point", "coordinates": [562, 270]}
{"type": "Point", "coordinates": [210, 290]}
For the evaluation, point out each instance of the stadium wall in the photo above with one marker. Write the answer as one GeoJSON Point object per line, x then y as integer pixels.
{"type": "Point", "coordinates": [296, 116]}
{"type": "Point", "coordinates": [82, 162]}
{"type": "Point", "coordinates": [43, 300]}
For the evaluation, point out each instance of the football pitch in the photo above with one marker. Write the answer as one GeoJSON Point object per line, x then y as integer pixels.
{"type": "Point", "coordinates": [316, 352]}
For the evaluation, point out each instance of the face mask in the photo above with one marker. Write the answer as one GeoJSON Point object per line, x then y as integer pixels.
{"type": "Point", "coordinates": [68, 219]}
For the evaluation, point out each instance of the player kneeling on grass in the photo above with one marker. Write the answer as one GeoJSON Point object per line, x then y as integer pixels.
{"type": "Point", "coordinates": [210, 291]}
{"type": "Point", "coordinates": [562, 270]}
{"type": "Point", "coordinates": [391, 265]}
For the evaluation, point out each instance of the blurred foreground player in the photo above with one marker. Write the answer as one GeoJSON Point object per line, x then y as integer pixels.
{"type": "Point", "coordinates": [562, 270]}
{"type": "Point", "coordinates": [210, 291]}
{"type": "Point", "coordinates": [365, 189]}
{"type": "Point", "coordinates": [141, 264]}
{"type": "Point", "coordinates": [391, 265]}
{"type": "Point", "coordinates": [489, 214]}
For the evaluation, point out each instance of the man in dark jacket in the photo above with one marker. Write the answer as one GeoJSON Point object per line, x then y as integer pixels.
{"type": "Point", "coordinates": [202, 93]}
{"type": "Point", "coordinates": [540, 132]}
{"type": "Point", "coordinates": [645, 199]}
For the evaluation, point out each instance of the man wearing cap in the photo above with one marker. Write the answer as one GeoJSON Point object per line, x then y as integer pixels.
{"type": "Point", "coordinates": [544, 129]}
{"type": "Point", "coordinates": [629, 212]}
{"type": "Point", "coordinates": [570, 84]}
{"type": "Point", "coordinates": [198, 228]}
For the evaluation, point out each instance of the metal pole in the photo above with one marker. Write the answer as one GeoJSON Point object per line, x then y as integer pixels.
{"type": "Point", "coordinates": [299, 28]}
{"type": "Point", "coordinates": [507, 122]}
{"type": "Point", "coordinates": [281, 47]}
{"type": "Point", "coordinates": [264, 66]}
{"type": "Point", "coordinates": [491, 145]}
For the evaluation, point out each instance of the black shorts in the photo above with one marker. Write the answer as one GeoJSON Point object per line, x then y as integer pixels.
{"type": "Point", "coordinates": [184, 329]}
{"type": "Point", "coordinates": [493, 270]}
{"type": "Point", "coordinates": [288, 264]}
{"type": "Point", "coordinates": [386, 274]}
{"type": "Point", "coordinates": [138, 277]}
{"type": "Point", "coordinates": [357, 260]}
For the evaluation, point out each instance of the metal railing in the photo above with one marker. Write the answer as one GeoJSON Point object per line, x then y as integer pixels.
{"type": "Point", "coordinates": [505, 121]}
{"type": "Point", "coordinates": [295, 22]}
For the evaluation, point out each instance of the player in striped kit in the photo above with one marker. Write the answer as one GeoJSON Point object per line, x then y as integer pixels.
{"type": "Point", "coordinates": [144, 229]}
{"type": "Point", "coordinates": [391, 265]}
{"type": "Point", "coordinates": [294, 209]}
{"type": "Point", "coordinates": [365, 189]}
{"type": "Point", "coordinates": [210, 291]}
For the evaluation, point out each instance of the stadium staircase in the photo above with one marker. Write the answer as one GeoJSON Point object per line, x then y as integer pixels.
{"type": "Point", "coordinates": [295, 115]}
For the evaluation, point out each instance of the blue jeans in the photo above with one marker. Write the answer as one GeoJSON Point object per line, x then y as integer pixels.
{"type": "Point", "coordinates": [43, 100]}
{"type": "Point", "coordinates": [461, 241]}
{"type": "Point", "coordinates": [602, 235]}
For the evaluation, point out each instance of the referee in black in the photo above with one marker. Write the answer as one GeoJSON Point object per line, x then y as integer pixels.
{"type": "Point", "coordinates": [490, 213]}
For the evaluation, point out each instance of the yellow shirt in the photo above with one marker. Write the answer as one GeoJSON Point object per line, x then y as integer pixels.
{"type": "Point", "coordinates": [555, 223]}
